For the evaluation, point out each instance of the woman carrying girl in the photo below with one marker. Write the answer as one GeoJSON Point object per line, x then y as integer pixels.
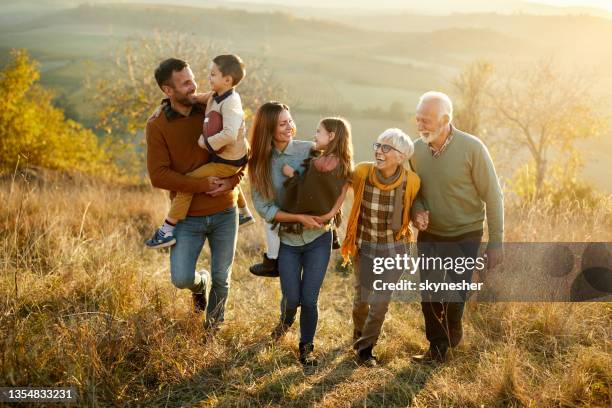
{"type": "Point", "coordinates": [305, 241]}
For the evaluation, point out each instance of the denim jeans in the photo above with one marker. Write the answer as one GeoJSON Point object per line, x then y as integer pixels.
{"type": "Point", "coordinates": [191, 233]}
{"type": "Point", "coordinates": [302, 270]}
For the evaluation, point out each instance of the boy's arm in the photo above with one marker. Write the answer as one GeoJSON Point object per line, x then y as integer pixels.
{"type": "Point", "coordinates": [158, 166]}
{"type": "Point", "coordinates": [233, 125]}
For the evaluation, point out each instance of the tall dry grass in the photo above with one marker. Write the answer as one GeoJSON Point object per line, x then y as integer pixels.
{"type": "Point", "coordinates": [83, 303]}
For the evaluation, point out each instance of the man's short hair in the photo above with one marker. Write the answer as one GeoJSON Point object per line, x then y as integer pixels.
{"type": "Point", "coordinates": [164, 70]}
{"type": "Point", "coordinates": [232, 65]}
{"type": "Point", "coordinates": [443, 100]}
{"type": "Point", "coordinates": [399, 140]}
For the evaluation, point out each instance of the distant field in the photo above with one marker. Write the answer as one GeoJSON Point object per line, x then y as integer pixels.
{"type": "Point", "coordinates": [326, 67]}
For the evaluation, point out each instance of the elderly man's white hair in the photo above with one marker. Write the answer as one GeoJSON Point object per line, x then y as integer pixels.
{"type": "Point", "coordinates": [399, 140]}
{"type": "Point", "coordinates": [444, 102]}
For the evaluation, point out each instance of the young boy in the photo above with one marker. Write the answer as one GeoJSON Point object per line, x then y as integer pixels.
{"type": "Point", "coordinates": [223, 136]}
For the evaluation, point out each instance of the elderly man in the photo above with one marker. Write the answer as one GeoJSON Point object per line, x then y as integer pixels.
{"type": "Point", "coordinates": [459, 187]}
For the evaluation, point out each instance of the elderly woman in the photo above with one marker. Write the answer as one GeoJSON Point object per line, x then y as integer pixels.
{"type": "Point", "coordinates": [378, 226]}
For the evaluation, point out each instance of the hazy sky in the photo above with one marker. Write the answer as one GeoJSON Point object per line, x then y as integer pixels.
{"type": "Point", "coordinates": [603, 4]}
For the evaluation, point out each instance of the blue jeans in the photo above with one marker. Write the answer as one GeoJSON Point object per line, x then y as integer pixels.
{"type": "Point", "coordinates": [191, 234]}
{"type": "Point", "coordinates": [302, 270]}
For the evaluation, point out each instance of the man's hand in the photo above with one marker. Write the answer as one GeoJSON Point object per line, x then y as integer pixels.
{"type": "Point", "coordinates": [218, 186]}
{"type": "Point", "coordinates": [421, 220]}
{"type": "Point", "coordinates": [309, 221]}
{"type": "Point", "coordinates": [495, 256]}
{"type": "Point", "coordinates": [288, 170]}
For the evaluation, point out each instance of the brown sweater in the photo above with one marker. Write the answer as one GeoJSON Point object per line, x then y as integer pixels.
{"type": "Point", "coordinates": [173, 151]}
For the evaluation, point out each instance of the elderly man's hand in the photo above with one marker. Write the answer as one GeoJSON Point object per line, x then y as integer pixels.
{"type": "Point", "coordinates": [495, 256]}
{"type": "Point", "coordinates": [421, 220]}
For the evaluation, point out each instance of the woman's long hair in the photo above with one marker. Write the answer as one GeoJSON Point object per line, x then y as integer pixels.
{"type": "Point", "coordinates": [341, 145]}
{"type": "Point", "coordinates": [261, 139]}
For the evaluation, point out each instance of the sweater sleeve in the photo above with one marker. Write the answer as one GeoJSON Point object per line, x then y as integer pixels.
{"type": "Point", "coordinates": [487, 185]}
{"type": "Point", "coordinates": [418, 205]}
{"type": "Point", "coordinates": [233, 120]}
{"type": "Point", "coordinates": [158, 165]}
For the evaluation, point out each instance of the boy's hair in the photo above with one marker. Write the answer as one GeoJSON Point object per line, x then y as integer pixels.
{"type": "Point", "coordinates": [341, 145]}
{"type": "Point", "coordinates": [399, 140]}
{"type": "Point", "coordinates": [232, 65]}
{"type": "Point", "coordinates": [164, 70]}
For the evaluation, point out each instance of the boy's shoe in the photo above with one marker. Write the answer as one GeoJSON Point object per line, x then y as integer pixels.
{"type": "Point", "coordinates": [307, 357]}
{"type": "Point", "coordinates": [245, 220]}
{"type": "Point", "coordinates": [269, 267]}
{"type": "Point", "coordinates": [160, 240]}
{"type": "Point", "coordinates": [365, 357]}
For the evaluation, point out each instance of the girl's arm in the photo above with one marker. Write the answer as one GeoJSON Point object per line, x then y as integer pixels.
{"type": "Point", "coordinates": [326, 217]}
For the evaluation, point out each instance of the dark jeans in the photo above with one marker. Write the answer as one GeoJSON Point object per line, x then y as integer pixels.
{"type": "Point", "coordinates": [191, 233]}
{"type": "Point", "coordinates": [443, 326]}
{"type": "Point", "coordinates": [302, 270]}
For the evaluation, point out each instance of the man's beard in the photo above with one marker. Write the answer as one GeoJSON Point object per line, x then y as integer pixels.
{"type": "Point", "coordinates": [185, 100]}
{"type": "Point", "coordinates": [429, 137]}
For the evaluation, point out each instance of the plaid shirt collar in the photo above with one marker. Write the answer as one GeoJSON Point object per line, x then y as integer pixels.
{"type": "Point", "coordinates": [436, 153]}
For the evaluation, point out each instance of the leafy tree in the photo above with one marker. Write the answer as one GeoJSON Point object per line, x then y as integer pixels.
{"type": "Point", "coordinates": [34, 132]}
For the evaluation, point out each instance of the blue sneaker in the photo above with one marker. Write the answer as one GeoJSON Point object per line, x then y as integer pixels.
{"type": "Point", "coordinates": [245, 220]}
{"type": "Point", "coordinates": [160, 240]}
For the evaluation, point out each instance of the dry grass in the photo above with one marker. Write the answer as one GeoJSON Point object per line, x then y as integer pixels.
{"type": "Point", "coordinates": [82, 303]}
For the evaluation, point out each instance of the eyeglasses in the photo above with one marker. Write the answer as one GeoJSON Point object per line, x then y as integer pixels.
{"type": "Point", "coordinates": [384, 147]}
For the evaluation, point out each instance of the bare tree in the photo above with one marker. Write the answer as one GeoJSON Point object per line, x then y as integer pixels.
{"type": "Point", "coordinates": [126, 94]}
{"type": "Point", "coordinates": [471, 87]}
{"type": "Point", "coordinates": [545, 111]}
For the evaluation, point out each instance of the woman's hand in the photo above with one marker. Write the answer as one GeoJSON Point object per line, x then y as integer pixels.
{"type": "Point", "coordinates": [288, 170]}
{"type": "Point", "coordinates": [308, 221]}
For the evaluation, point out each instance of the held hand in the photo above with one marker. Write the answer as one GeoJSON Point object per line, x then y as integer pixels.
{"type": "Point", "coordinates": [288, 170]}
{"type": "Point", "coordinates": [309, 222]}
{"type": "Point", "coordinates": [219, 186]}
{"type": "Point", "coordinates": [495, 256]}
{"type": "Point", "coordinates": [322, 219]}
{"type": "Point", "coordinates": [421, 220]}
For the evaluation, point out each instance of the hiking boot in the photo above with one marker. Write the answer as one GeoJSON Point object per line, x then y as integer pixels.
{"type": "Point", "coordinates": [199, 302]}
{"type": "Point", "coordinates": [307, 357]}
{"type": "Point", "coordinates": [365, 357]}
{"type": "Point", "coordinates": [433, 355]}
{"type": "Point", "coordinates": [280, 330]}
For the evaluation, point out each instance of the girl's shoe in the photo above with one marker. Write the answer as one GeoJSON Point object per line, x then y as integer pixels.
{"type": "Point", "coordinates": [269, 267]}
{"type": "Point", "coordinates": [160, 239]}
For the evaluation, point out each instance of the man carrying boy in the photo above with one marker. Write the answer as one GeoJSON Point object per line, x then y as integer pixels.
{"type": "Point", "coordinates": [172, 152]}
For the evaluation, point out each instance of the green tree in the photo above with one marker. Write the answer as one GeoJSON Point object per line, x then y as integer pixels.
{"type": "Point", "coordinates": [34, 132]}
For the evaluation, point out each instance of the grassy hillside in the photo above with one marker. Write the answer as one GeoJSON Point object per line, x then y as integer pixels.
{"type": "Point", "coordinates": [84, 304]}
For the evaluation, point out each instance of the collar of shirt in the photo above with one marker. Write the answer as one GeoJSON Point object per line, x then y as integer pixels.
{"type": "Point", "coordinates": [436, 153]}
{"type": "Point", "coordinates": [289, 150]}
{"type": "Point", "coordinates": [171, 114]}
{"type": "Point", "coordinates": [220, 98]}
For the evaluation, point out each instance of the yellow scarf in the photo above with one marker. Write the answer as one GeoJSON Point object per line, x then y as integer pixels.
{"type": "Point", "coordinates": [367, 171]}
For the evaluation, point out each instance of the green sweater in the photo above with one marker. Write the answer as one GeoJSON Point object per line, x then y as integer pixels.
{"type": "Point", "coordinates": [457, 186]}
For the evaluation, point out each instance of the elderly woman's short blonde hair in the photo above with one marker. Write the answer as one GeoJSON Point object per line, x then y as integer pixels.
{"type": "Point", "coordinates": [399, 140]}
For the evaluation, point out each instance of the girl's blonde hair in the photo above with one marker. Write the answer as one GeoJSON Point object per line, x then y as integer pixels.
{"type": "Point", "coordinates": [341, 145]}
{"type": "Point", "coordinates": [261, 139]}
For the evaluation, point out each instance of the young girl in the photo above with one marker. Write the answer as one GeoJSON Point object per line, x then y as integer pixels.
{"type": "Point", "coordinates": [316, 188]}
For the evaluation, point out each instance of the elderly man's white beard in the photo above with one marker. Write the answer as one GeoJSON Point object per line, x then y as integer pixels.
{"type": "Point", "coordinates": [429, 137]}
